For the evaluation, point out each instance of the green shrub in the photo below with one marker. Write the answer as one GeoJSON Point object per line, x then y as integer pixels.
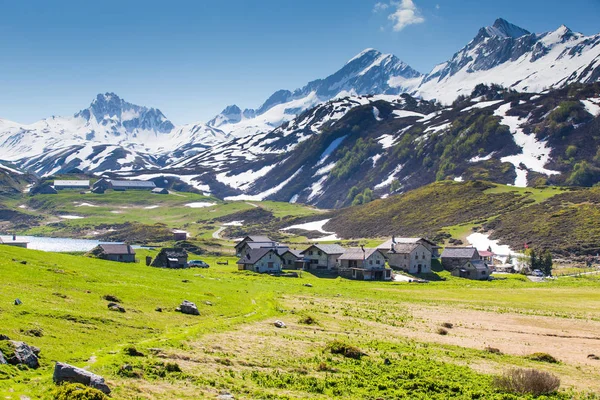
{"type": "Point", "coordinates": [307, 320]}
{"type": "Point", "coordinates": [339, 347]}
{"type": "Point", "coordinates": [132, 351]}
{"type": "Point", "coordinates": [543, 357]}
{"type": "Point", "coordinates": [527, 381]}
{"type": "Point", "coordinates": [77, 391]}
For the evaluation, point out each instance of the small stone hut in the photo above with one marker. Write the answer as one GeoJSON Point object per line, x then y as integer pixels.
{"type": "Point", "coordinates": [171, 258]}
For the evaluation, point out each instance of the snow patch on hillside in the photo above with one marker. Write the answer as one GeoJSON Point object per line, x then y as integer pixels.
{"type": "Point", "coordinates": [534, 154]}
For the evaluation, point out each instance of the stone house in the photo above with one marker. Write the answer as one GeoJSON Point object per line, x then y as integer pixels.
{"type": "Point", "coordinates": [431, 246]}
{"type": "Point", "coordinates": [114, 252]}
{"type": "Point", "coordinates": [413, 258]}
{"type": "Point", "coordinates": [291, 259]}
{"type": "Point", "coordinates": [364, 264]}
{"type": "Point", "coordinates": [171, 258]}
{"type": "Point", "coordinates": [264, 260]}
{"type": "Point", "coordinates": [322, 256]}
{"type": "Point", "coordinates": [473, 269]}
{"type": "Point", "coordinates": [241, 247]}
{"type": "Point", "coordinates": [456, 257]}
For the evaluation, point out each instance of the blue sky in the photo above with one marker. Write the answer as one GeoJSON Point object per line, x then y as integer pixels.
{"type": "Point", "coordinates": [192, 58]}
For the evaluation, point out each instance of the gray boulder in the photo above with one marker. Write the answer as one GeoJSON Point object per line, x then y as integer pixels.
{"type": "Point", "coordinates": [22, 354]}
{"type": "Point", "coordinates": [116, 307]}
{"type": "Point", "coordinates": [2, 359]}
{"type": "Point", "coordinates": [279, 324]}
{"type": "Point", "coordinates": [187, 307]}
{"type": "Point", "coordinates": [68, 373]}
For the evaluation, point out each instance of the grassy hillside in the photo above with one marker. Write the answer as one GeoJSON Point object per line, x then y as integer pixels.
{"type": "Point", "coordinates": [428, 210]}
{"type": "Point", "coordinates": [567, 223]}
{"type": "Point", "coordinates": [233, 345]}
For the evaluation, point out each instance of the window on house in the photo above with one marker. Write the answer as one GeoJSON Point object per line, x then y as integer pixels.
{"type": "Point", "coordinates": [377, 262]}
{"type": "Point", "coordinates": [370, 262]}
{"type": "Point", "coordinates": [320, 253]}
{"type": "Point", "coordinates": [271, 265]}
{"type": "Point", "coordinates": [310, 253]}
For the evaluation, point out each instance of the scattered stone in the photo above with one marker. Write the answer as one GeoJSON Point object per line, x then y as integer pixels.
{"type": "Point", "coordinates": [24, 262]}
{"type": "Point", "coordinates": [308, 285]}
{"type": "Point", "coordinates": [22, 355]}
{"type": "Point", "coordinates": [208, 303]}
{"type": "Point", "coordinates": [115, 307]}
{"type": "Point", "coordinates": [4, 337]}
{"type": "Point", "coordinates": [185, 281]}
{"type": "Point", "coordinates": [36, 350]}
{"type": "Point", "coordinates": [68, 373]}
{"type": "Point", "coordinates": [187, 307]}
{"type": "Point", "coordinates": [387, 361]}
{"type": "Point", "coordinates": [18, 302]}
{"type": "Point", "coordinates": [593, 357]}
{"type": "Point", "coordinates": [279, 324]}
{"type": "Point", "coordinates": [2, 359]}
{"type": "Point", "coordinates": [158, 309]}
{"type": "Point", "coordinates": [225, 395]}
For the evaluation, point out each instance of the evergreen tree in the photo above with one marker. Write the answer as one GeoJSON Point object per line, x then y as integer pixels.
{"type": "Point", "coordinates": [533, 259]}
{"type": "Point", "coordinates": [547, 263]}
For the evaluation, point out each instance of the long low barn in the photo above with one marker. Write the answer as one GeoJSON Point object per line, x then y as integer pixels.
{"type": "Point", "coordinates": [104, 184]}
{"type": "Point", "coordinates": [71, 184]}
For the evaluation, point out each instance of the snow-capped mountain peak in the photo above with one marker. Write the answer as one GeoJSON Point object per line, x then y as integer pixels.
{"type": "Point", "coordinates": [369, 72]}
{"type": "Point", "coordinates": [504, 29]}
{"type": "Point", "coordinates": [110, 110]}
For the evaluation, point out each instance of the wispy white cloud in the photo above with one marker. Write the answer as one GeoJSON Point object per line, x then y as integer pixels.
{"type": "Point", "coordinates": [406, 13]}
{"type": "Point", "coordinates": [380, 7]}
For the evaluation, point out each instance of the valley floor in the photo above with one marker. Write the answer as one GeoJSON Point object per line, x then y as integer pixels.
{"type": "Point", "coordinates": [234, 347]}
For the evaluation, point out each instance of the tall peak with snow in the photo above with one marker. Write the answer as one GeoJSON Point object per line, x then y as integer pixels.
{"type": "Point", "coordinates": [504, 29]}
{"type": "Point", "coordinates": [109, 109]}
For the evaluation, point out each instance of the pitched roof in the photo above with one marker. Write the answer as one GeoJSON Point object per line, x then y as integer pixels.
{"type": "Point", "coordinates": [133, 184]}
{"type": "Point", "coordinates": [485, 253]}
{"type": "Point", "coordinates": [263, 245]}
{"type": "Point", "coordinates": [254, 255]}
{"type": "Point", "coordinates": [258, 238]}
{"type": "Point", "coordinates": [117, 249]}
{"type": "Point", "coordinates": [71, 183]}
{"type": "Point", "coordinates": [459, 252]}
{"type": "Point", "coordinates": [479, 265]}
{"type": "Point", "coordinates": [400, 240]}
{"type": "Point", "coordinates": [356, 253]}
{"type": "Point", "coordinates": [327, 248]}
{"type": "Point", "coordinates": [405, 248]}
{"type": "Point", "coordinates": [296, 253]}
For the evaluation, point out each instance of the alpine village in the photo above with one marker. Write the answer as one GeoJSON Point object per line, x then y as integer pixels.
{"type": "Point", "coordinates": [379, 233]}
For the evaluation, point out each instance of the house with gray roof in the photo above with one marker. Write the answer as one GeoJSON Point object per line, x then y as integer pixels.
{"type": "Point", "coordinates": [465, 262]}
{"type": "Point", "coordinates": [473, 269]}
{"type": "Point", "coordinates": [253, 242]}
{"type": "Point", "coordinates": [364, 264]}
{"type": "Point", "coordinates": [292, 259]}
{"type": "Point", "coordinates": [456, 257]}
{"type": "Point", "coordinates": [263, 260]}
{"type": "Point", "coordinates": [114, 252]}
{"type": "Point", "coordinates": [414, 258]}
{"type": "Point", "coordinates": [322, 256]}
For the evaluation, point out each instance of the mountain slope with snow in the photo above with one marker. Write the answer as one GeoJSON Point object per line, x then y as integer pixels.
{"type": "Point", "coordinates": [369, 72]}
{"type": "Point", "coordinates": [110, 135]}
{"type": "Point", "coordinates": [511, 56]}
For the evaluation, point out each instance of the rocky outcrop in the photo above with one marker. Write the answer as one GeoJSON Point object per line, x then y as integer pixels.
{"type": "Point", "coordinates": [187, 307]}
{"type": "Point", "coordinates": [68, 373]}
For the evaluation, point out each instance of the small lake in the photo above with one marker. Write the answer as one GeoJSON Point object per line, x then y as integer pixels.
{"type": "Point", "coordinates": [57, 244]}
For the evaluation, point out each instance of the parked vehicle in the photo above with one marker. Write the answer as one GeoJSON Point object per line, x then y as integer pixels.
{"type": "Point", "coordinates": [197, 264]}
{"type": "Point", "coordinates": [537, 272]}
